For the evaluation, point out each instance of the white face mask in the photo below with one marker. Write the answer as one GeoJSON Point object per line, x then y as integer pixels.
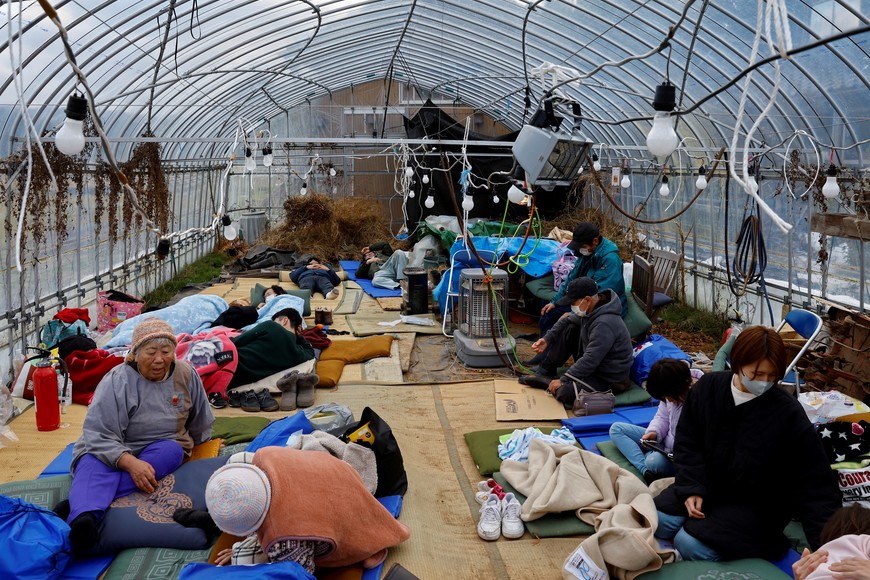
{"type": "Point", "coordinates": [584, 252]}
{"type": "Point", "coordinates": [576, 310]}
{"type": "Point", "coordinates": [269, 297]}
{"type": "Point", "coordinates": [757, 388]}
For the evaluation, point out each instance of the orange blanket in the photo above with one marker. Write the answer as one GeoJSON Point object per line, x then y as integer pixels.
{"type": "Point", "coordinates": [342, 513]}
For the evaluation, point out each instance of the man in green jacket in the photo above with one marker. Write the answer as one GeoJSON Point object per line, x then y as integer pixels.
{"type": "Point", "coordinates": [270, 347]}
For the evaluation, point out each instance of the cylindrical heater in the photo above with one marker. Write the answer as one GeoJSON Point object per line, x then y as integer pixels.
{"type": "Point", "coordinates": [415, 291]}
{"type": "Point", "coordinates": [482, 313]}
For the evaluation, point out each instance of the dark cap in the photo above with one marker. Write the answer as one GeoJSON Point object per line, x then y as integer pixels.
{"type": "Point", "coordinates": [578, 288]}
{"type": "Point", "coordinates": [584, 233]}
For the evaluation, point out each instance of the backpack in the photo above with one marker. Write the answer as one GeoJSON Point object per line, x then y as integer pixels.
{"type": "Point", "coordinates": [562, 266]}
{"type": "Point", "coordinates": [34, 539]}
{"type": "Point", "coordinates": [56, 330]}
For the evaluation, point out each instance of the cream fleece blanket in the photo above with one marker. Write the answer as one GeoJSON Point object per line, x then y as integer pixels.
{"type": "Point", "coordinates": [559, 478]}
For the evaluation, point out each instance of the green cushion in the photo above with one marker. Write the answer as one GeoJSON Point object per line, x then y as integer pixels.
{"type": "Point", "coordinates": [552, 525]}
{"type": "Point", "coordinates": [635, 318]}
{"type": "Point", "coordinates": [750, 569]}
{"type": "Point", "coordinates": [238, 429]}
{"type": "Point", "coordinates": [609, 450]}
{"type": "Point", "coordinates": [635, 395]}
{"type": "Point", "coordinates": [149, 563]}
{"type": "Point", "coordinates": [797, 539]}
{"type": "Point", "coordinates": [542, 287]}
{"type": "Point", "coordinates": [46, 492]}
{"type": "Point", "coordinates": [484, 447]}
{"type": "Point", "coordinates": [258, 296]}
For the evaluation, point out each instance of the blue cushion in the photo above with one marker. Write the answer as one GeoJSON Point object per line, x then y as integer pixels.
{"type": "Point", "coordinates": [641, 417]}
{"type": "Point", "coordinates": [86, 568]}
{"type": "Point", "coordinates": [592, 423]}
{"type": "Point", "coordinates": [140, 520]}
{"type": "Point", "coordinates": [590, 443]}
{"type": "Point", "coordinates": [60, 465]}
{"type": "Point", "coordinates": [272, 571]}
{"type": "Point", "coordinates": [393, 503]}
{"type": "Point", "coordinates": [660, 300]}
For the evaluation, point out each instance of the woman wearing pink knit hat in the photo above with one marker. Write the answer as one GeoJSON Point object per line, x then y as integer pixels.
{"type": "Point", "coordinates": [145, 417]}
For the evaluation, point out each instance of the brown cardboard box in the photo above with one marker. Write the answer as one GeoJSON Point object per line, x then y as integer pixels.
{"type": "Point", "coordinates": [516, 402]}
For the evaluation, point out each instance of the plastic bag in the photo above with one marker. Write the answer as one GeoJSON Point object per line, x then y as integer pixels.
{"type": "Point", "coordinates": [329, 416]}
{"type": "Point", "coordinates": [7, 411]}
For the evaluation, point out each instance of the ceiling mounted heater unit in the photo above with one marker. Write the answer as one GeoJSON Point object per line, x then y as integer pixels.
{"type": "Point", "coordinates": [481, 310]}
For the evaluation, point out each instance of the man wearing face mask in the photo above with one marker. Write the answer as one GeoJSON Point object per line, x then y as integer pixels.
{"type": "Point", "coordinates": [595, 335]}
{"type": "Point", "coordinates": [597, 258]}
{"type": "Point", "coordinates": [747, 461]}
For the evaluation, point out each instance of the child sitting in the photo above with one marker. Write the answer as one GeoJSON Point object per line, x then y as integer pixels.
{"type": "Point", "coordinates": [845, 553]}
{"type": "Point", "coordinates": [669, 381]}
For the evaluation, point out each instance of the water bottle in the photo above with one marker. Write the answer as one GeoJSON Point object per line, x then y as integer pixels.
{"type": "Point", "coordinates": [45, 397]}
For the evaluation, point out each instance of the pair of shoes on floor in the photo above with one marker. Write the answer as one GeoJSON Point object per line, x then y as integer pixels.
{"type": "Point", "coordinates": [323, 315]}
{"type": "Point", "coordinates": [500, 517]}
{"type": "Point", "coordinates": [217, 401]}
{"type": "Point", "coordinates": [536, 381]}
{"type": "Point", "coordinates": [234, 398]}
{"type": "Point", "coordinates": [259, 401]}
{"type": "Point", "coordinates": [487, 488]}
{"type": "Point", "coordinates": [297, 390]}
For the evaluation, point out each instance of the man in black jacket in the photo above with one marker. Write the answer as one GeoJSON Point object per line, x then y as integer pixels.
{"type": "Point", "coordinates": [595, 335]}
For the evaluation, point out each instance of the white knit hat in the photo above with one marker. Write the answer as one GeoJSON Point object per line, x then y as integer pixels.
{"type": "Point", "coordinates": [238, 496]}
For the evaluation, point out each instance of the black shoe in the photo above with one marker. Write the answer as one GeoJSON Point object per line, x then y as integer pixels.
{"type": "Point", "coordinates": [266, 401]}
{"type": "Point", "coordinates": [191, 518]}
{"type": "Point", "coordinates": [649, 477]}
{"type": "Point", "coordinates": [62, 509]}
{"type": "Point", "coordinates": [249, 402]}
{"type": "Point", "coordinates": [235, 398]}
{"type": "Point", "coordinates": [217, 400]}
{"type": "Point", "coordinates": [83, 533]}
{"type": "Point", "coordinates": [535, 381]}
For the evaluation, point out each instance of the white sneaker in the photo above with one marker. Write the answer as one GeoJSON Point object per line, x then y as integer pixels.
{"type": "Point", "coordinates": [489, 525]}
{"type": "Point", "coordinates": [512, 526]}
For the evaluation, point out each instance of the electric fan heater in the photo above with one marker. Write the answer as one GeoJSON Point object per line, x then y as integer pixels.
{"type": "Point", "coordinates": [481, 311]}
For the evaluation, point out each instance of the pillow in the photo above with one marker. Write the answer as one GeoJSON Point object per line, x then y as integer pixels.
{"type": "Point", "coordinates": [609, 450]}
{"type": "Point", "coordinates": [148, 563]}
{"type": "Point", "coordinates": [45, 492]}
{"type": "Point", "coordinates": [483, 446]}
{"type": "Point", "coordinates": [356, 351]}
{"type": "Point", "coordinates": [258, 296]}
{"type": "Point", "coordinates": [633, 396]}
{"type": "Point", "coordinates": [749, 569]}
{"type": "Point", "coordinates": [140, 520]}
{"type": "Point", "coordinates": [542, 287]}
{"type": "Point", "coordinates": [329, 372]}
{"type": "Point", "coordinates": [554, 525]}
{"type": "Point", "coordinates": [635, 319]}
{"type": "Point", "coordinates": [206, 450]}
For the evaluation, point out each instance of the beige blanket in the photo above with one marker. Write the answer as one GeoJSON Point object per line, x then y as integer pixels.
{"type": "Point", "coordinates": [559, 478]}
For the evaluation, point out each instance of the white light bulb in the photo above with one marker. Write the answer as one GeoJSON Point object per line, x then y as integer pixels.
{"type": "Point", "coordinates": [332, 171]}
{"type": "Point", "coordinates": [596, 165]}
{"type": "Point", "coordinates": [267, 160]}
{"type": "Point", "coordinates": [250, 164]}
{"type": "Point", "coordinates": [495, 199]}
{"type": "Point", "coordinates": [516, 195]}
{"type": "Point", "coordinates": [425, 179]}
{"type": "Point", "coordinates": [831, 189]}
{"type": "Point", "coordinates": [664, 190]}
{"type": "Point", "coordinates": [409, 172]}
{"type": "Point", "coordinates": [411, 194]}
{"type": "Point", "coordinates": [430, 202]}
{"type": "Point", "coordinates": [579, 171]}
{"type": "Point", "coordinates": [230, 233]}
{"type": "Point", "coordinates": [467, 203]}
{"type": "Point", "coordinates": [334, 190]}
{"type": "Point", "coordinates": [626, 182]}
{"type": "Point", "coordinates": [662, 139]}
{"type": "Point", "coordinates": [303, 191]}
{"type": "Point", "coordinates": [701, 182]}
{"type": "Point", "coordinates": [70, 139]}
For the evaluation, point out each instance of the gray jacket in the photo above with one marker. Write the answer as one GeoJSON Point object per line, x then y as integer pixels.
{"type": "Point", "coordinates": [605, 346]}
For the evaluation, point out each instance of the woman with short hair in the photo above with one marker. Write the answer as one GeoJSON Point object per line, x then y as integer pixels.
{"type": "Point", "coordinates": [747, 461]}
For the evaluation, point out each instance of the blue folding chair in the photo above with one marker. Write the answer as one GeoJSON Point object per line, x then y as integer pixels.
{"type": "Point", "coordinates": [808, 325]}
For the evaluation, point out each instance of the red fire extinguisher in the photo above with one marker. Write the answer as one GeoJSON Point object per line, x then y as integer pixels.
{"type": "Point", "coordinates": [45, 397]}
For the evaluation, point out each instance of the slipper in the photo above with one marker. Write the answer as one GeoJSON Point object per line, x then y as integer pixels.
{"type": "Point", "coordinates": [305, 386]}
{"type": "Point", "coordinates": [287, 385]}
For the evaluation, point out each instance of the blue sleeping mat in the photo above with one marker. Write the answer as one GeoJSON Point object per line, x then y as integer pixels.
{"type": "Point", "coordinates": [61, 464]}
{"type": "Point", "coordinates": [393, 503]}
{"type": "Point", "coordinates": [590, 442]}
{"type": "Point", "coordinates": [350, 267]}
{"type": "Point", "coordinates": [600, 424]}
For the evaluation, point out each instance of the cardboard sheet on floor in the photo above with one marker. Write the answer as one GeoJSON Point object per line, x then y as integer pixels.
{"type": "Point", "coordinates": [516, 402]}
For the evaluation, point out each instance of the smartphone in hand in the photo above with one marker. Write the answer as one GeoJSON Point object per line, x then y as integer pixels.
{"type": "Point", "coordinates": [654, 446]}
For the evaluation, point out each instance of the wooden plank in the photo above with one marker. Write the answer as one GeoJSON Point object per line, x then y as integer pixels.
{"type": "Point", "coordinates": [841, 226]}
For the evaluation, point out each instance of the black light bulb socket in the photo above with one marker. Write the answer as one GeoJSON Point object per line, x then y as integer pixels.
{"type": "Point", "coordinates": [226, 220]}
{"type": "Point", "coordinates": [702, 170]}
{"type": "Point", "coordinates": [664, 178]}
{"type": "Point", "coordinates": [832, 170]}
{"type": "Point", "coordinates": [162, 248]}
{"type": "Point", "coordinates": [594, 157]}
{"type": "Point", "coordinates": [304, 184]}
{"type": "Point", "coordinates": [76, 107]}
{"type": "Point", "coordinates": [248, 152]}
{"type": "Point", "coordinates": [267, 149]}
{"type": "Point", "coordinates": [666, 97]}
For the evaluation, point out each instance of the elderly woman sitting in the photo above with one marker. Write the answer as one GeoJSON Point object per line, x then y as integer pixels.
{"type": "Point", "coordinates": [146, 416]}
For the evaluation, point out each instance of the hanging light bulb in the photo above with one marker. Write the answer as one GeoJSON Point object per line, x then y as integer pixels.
{"type": "Point", "coordinates": [430, 201]}
{"type": "Point", "coordinates": [467, 203]}
{"type": "Point", "coordinates": [664, 190]}
{"type": "Point", "coordinates": [250, 164]}
{"type": "Point", "coordinates": [304, 189]}
{"type": "Point", "coordinates": [230, 232]}
{"type": "Point", "coordinates": [70, 139]}
{"type": "Point", "coordinates": [662, 139]}
{"type": "Point", "coordinates": [267, 156]}
{"type": "Point", "coordinates": [409, 172]}
{"type": "Point", "coordinates": [701, 182]}
{"type": "Point", "coordinates": [425, 178]}
{"type": "Point", "coordinates": [831, 190]}
{"type": "Point", "coordinates": [412, 194]}
{"type": "Point", "coordinates": [626, 181]}
{"type": "Point", "coordinates": [515, 194]}
{"type": "Point", "coordinates": [596, 165]}
{"type": "Point", "coordinates": [495, 199]}
{"type": "Point", "coordinates": [163, 246]}
{"type": "Point", "coordinates": [332, 172]}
